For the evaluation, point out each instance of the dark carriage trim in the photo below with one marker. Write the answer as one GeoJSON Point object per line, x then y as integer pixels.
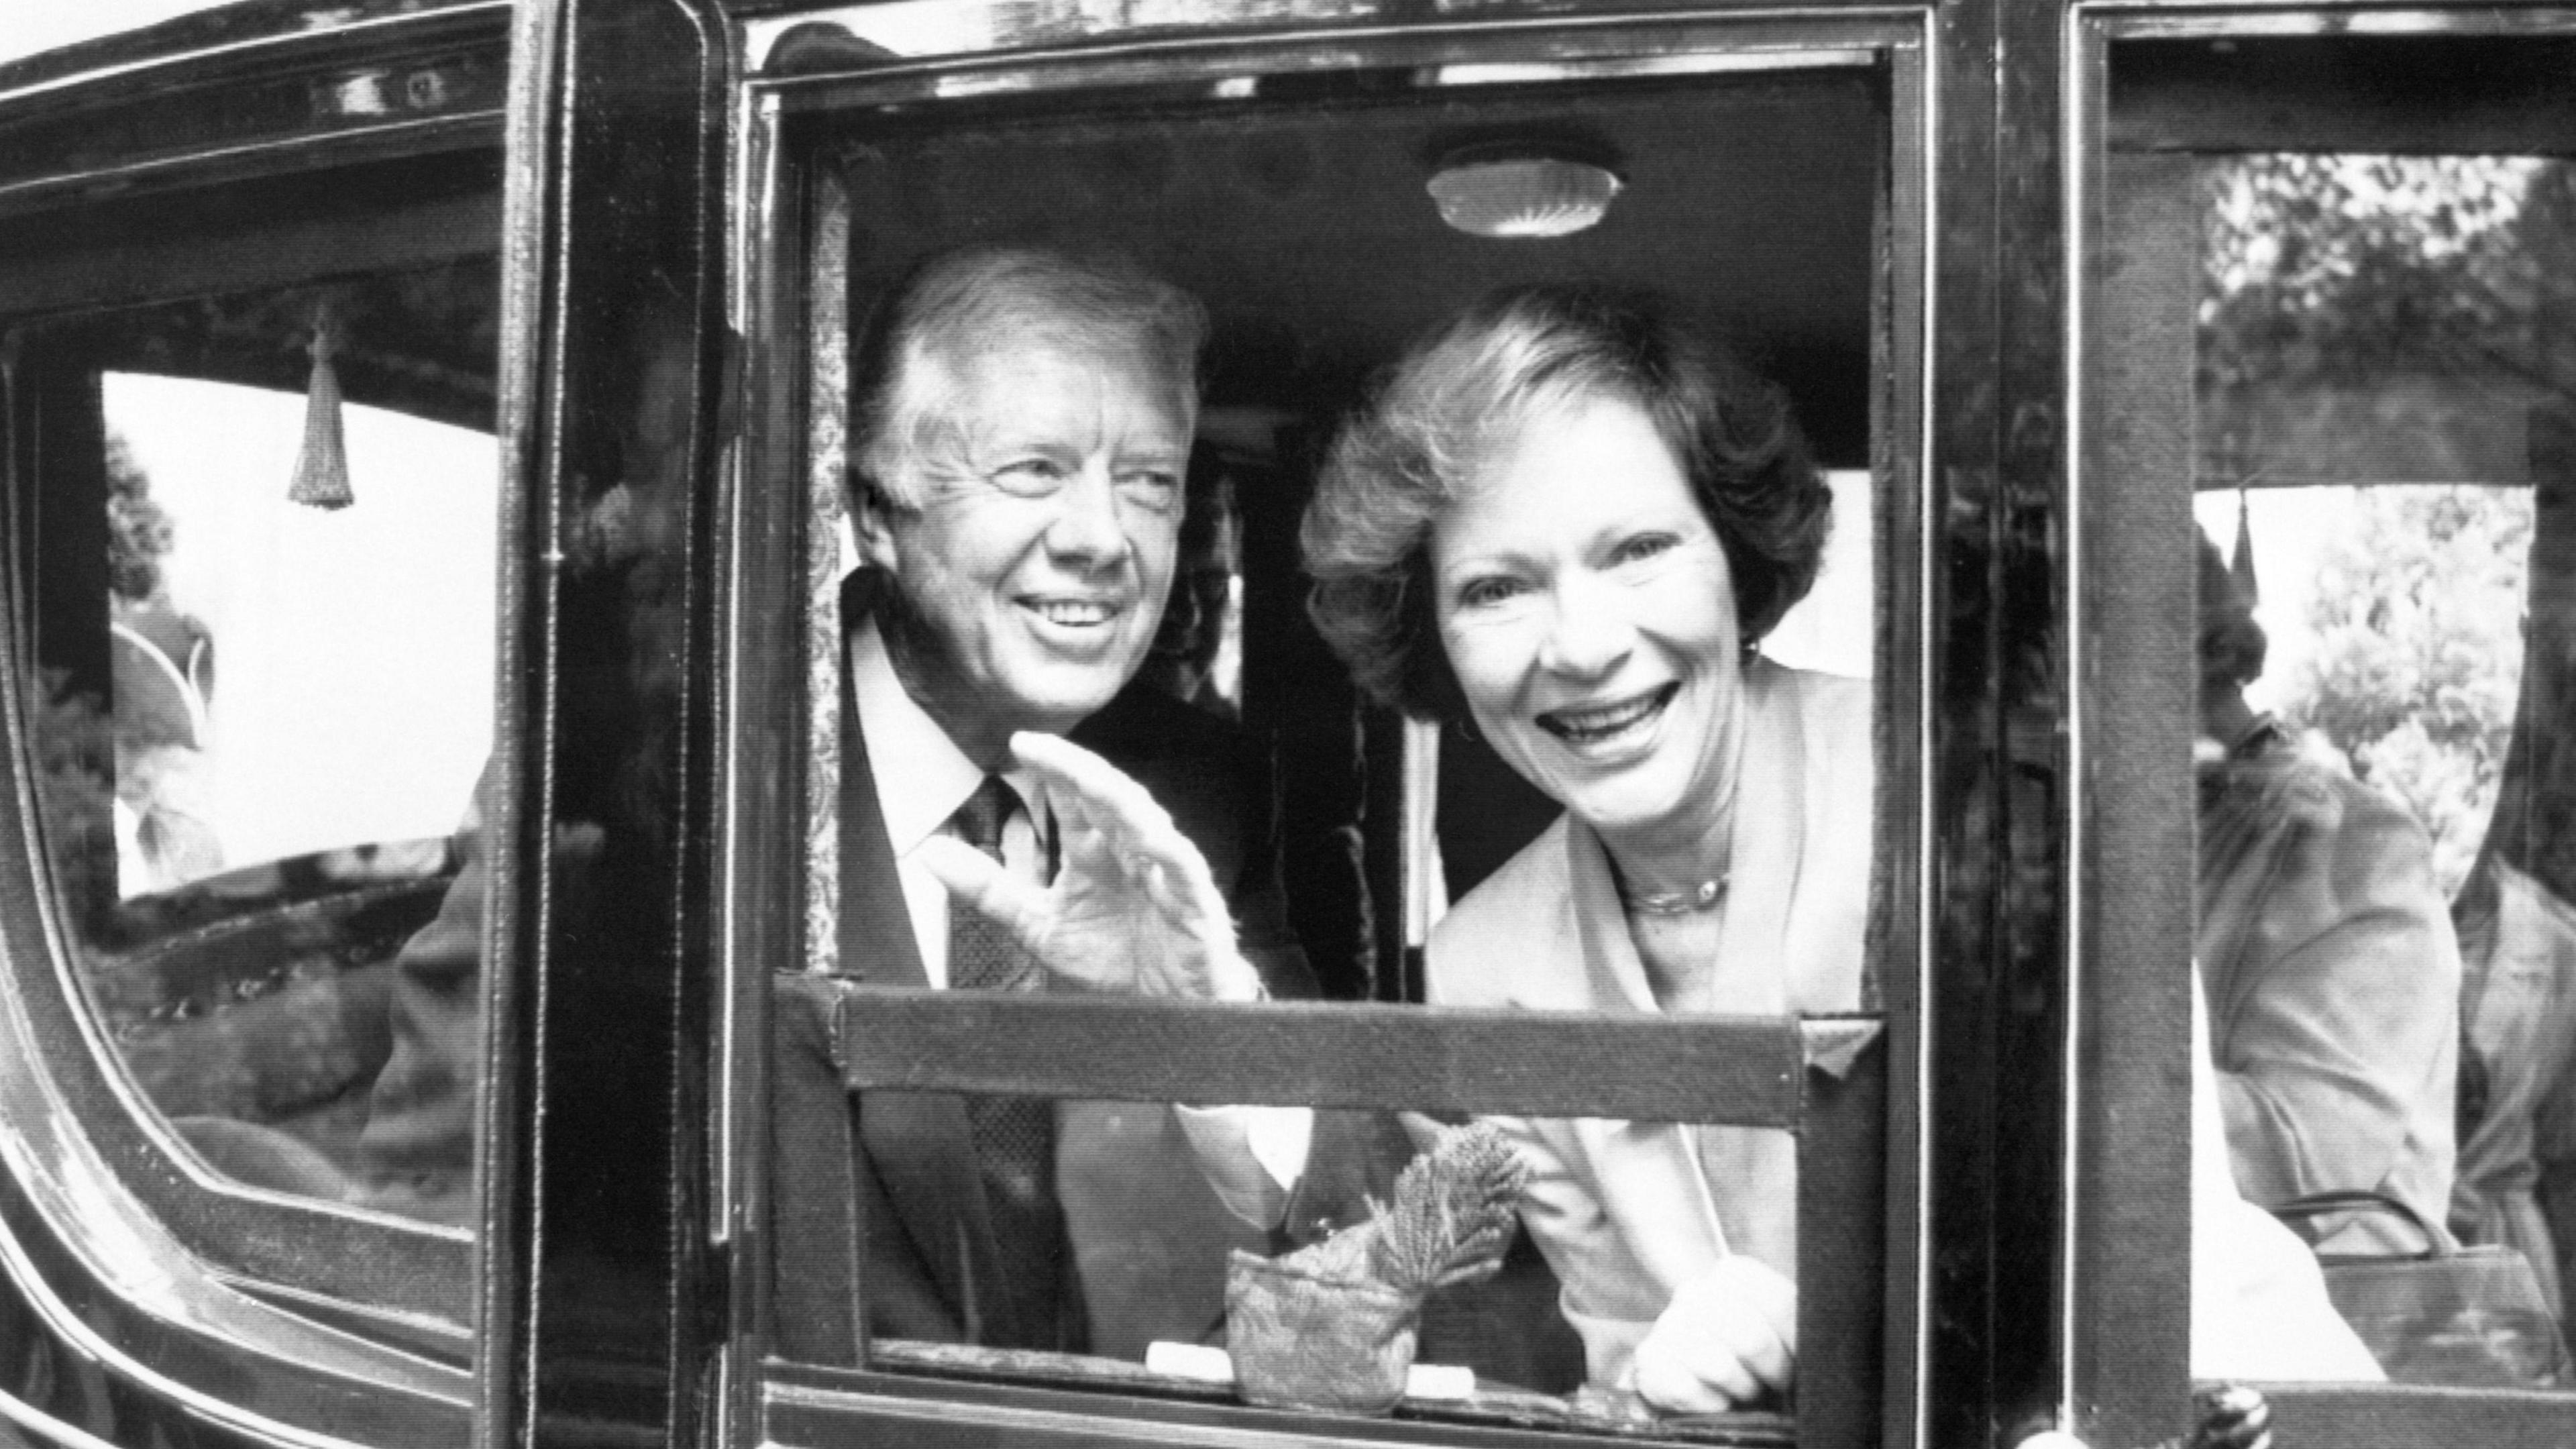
{"type": "Point", "coordinates": [808, 1406]}
{"type": "Point", "coordinates": [1744, 1071]}
{"type": "Point", "coordinates": [245, 37]}
{"type": "Point", "coordinates": [2404, 1416]}
{"type": "Point", "coordinates": [776, 200]}
{"type": "Point", "coordinates": [294, 101]}
{"type": "Point", "coordinates": [1846, 39]}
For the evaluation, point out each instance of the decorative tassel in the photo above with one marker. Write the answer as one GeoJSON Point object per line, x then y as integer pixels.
{"type": "Point", "coordinates": [2240, 566]}
{"type": "Point", "coordinates": [322, 466]}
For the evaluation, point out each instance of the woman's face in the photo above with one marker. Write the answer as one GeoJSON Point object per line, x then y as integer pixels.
{"type": "Point", "coordinates": [1589, 615]}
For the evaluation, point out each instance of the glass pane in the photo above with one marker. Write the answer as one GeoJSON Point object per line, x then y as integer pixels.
{"type": "Point", "coordinates": [2385, 940]}
{"type": "Point", "coordinates": [263, 622]}
{"type": "Point", "coordinates": [1593, 349]}
{"type": "Point", "coordinates": [1442, 1307]}
{"type": "Point", "coordinates": [349, 637]}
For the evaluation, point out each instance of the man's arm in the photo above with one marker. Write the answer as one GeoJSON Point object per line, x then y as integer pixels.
{"type": "Point", "coordinates": [2325, 1052]}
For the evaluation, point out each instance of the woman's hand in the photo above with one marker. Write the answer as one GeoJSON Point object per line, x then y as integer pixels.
{"type": "Point", "coordinates": [1727, 1338]}
{"type": "Point", "coordinates": [1133, 906]}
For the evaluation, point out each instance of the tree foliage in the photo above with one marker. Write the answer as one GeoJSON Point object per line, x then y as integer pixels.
{"type": "Point", "coordinates": [2328, 267]}
{"type": "Point", "coordinates": [2341, 273]}
{"type": "Point", "coordinates": [138, 529]}
{"type": "Point", "coordinates": [2418, 653]}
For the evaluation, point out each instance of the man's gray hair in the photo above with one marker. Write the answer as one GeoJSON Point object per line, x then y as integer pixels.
{"type": "Point", "coordinates": [962, 306]}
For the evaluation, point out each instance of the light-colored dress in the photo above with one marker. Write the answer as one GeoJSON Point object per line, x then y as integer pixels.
{"type": "Point", "coordinates": [1627, 1212]}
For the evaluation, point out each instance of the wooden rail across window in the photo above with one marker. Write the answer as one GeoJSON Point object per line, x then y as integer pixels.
{"type": "Point", "coordinates": [1744, 1071]}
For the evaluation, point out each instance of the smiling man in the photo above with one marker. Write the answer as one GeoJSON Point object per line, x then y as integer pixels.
{"type": "Point", "coordinates": [1020, 493]}
{"type": "Point", "coordinates": [1022, 428]}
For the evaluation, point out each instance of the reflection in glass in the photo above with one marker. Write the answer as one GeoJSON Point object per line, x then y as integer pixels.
{"type": "Point", "coordinates": [2381, 453]}
{"type": "Point", "coordinates": [1179, 1289]}
{"type": "Point", "coordinates": [263, 721]}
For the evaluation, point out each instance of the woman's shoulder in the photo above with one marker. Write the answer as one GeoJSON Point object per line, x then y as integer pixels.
{"type": "Point", "coordinates": [1833, 703]}
{"type": "Point", "coordinates": [1478, 948]}
{"type": "Point", "coordinates": [1833, 714]}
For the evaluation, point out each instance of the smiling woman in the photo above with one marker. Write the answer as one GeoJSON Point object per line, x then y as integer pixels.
{"type": "Point", "coordinates": [1584, 603]}
{"type": "Point", "coordinates": [1579, 499]}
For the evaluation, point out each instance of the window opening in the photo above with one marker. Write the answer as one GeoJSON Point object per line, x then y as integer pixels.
{"type": "Point", "coordinates": [1299, 217]}
{"type": "Point", "coordinates": [2375, 426]}
{"type": "Point", "coordinates": [262, 538]}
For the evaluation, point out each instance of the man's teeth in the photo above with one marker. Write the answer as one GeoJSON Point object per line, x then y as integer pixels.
{"type": "Point", "coordinates": [1588, 724]}
{"type": "Point", "coordinates": [1057, 611]}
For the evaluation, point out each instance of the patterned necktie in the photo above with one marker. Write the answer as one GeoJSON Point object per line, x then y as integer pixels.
{"type": "Point", "coordinates": [1014, 1137]}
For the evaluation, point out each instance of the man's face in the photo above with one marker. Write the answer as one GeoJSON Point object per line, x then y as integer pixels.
{"type": "Point", "coordinates": [1030, 571]}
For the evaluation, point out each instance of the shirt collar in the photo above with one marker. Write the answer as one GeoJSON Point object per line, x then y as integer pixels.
{"type": "Point", "coordinates": [921, 775]}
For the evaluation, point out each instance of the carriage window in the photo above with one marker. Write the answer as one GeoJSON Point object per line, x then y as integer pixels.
{"type": "Point", "coordinates": [2340, 347]}
{"type": "Point", "coordinates": [262, 623]}
{"type": "Point", "coordinates": [2382, 444]}
{"type": "Point", "coordinates": [1531, 518]}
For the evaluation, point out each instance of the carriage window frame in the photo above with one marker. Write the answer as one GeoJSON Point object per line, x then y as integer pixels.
{"type": "Point", "coordinates": [2132, 830]}
{"type": "Point", "coordinates": [792, 301]}
{"type": "Point", "coordinates": [360, 1321]}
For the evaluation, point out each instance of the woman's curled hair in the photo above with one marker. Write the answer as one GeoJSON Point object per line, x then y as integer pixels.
{"type": "Point", "coordinates": [1515, 360]}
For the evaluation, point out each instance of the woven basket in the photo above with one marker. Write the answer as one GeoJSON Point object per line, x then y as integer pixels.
{"type": "Point", "coordinates": [1304, 1342]}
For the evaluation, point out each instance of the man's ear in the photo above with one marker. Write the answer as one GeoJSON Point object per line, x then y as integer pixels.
{"type": "Point", "coordinates": [871, 522]}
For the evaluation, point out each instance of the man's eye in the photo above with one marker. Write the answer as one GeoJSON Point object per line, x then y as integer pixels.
{"type": "Point", "coordinates": [1153, 488]}
{"type": "Point", "coordinates": [1024, 475]}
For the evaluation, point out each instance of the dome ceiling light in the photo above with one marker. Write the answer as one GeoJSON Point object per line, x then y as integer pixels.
{"type": "Point", "coordinates": [1517, 193]}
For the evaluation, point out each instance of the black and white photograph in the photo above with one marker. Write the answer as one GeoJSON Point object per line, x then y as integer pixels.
{"type": "Point", "coordinates": [1501, 724]}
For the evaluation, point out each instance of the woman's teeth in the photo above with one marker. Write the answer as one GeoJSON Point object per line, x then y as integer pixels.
{"type": "Point", "coordinates": [1584, 726]}
{"type": "Point", "coordinates": [1070, 613]}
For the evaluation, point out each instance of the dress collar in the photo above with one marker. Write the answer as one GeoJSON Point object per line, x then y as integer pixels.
{"type": "Point", "coordinates": [1768, 838]}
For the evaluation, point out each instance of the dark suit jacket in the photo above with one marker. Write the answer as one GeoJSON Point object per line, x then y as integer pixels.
{"type": "Point", "coordinates": [878, 1202]}
{"type": "Point", "coordinates": [906, 1171]}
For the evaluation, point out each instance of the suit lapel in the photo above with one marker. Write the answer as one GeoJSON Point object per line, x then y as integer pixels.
{"type": "Point", "coordinates": [876, 926]}
{"type": "Point", "coordinates": [916, 1141]}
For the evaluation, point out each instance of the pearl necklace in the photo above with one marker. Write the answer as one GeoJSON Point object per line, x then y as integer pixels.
{"type": "Point", "coordinates": [1703, 897]}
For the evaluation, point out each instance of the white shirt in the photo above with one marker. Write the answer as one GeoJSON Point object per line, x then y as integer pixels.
{"type": "Point", "coordinates": [1249, 1154]}
{"type": "Point", "coordinates": [921, 780]}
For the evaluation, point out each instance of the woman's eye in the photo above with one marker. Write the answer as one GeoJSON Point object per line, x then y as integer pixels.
{"type": "Point", "coordinates": [1480, 593]}
{"type": "Point", "coordinates": [1645, 545]}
